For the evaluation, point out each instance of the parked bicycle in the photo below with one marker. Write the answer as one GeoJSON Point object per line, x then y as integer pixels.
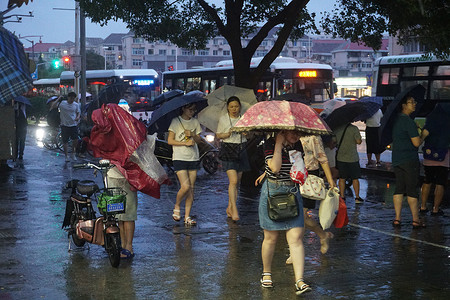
{"type": "Point", "coordinates": [80, 217]}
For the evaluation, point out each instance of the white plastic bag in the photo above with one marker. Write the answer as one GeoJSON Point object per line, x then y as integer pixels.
{"type": "Point", "coordinates": [298, 170]}
{"type": "Point", "coordinates": [329, 208]}
{"type": "Point", "coordinates": [313, 188]}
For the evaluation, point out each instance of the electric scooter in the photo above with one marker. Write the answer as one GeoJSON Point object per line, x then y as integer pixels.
{"type": "Point", "coordinates": [81, 220]}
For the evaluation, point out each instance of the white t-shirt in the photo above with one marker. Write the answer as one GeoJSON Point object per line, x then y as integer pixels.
{"type": "Point", "coordinates": [68, 113]}
{"type": "Point", "coordinates": [225, 124]}
{"type": "Point", "coordinates": [375, 120]}
{"type": "Point", "coordinates": [177, 126]}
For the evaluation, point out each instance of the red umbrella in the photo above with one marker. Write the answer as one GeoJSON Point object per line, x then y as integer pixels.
{"type": "Point", "coordinates": [282, 115]}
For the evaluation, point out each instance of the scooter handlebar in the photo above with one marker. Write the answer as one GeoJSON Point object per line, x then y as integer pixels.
{"type": "Point", "coordinates": [80, 166]}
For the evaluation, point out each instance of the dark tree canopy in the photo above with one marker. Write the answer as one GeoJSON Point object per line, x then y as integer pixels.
{"type": "Point", "coordinates": [191, 23]}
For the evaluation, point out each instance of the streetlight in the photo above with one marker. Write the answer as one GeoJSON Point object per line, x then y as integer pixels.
{"type": "Point", "coordinates": [31, 41]}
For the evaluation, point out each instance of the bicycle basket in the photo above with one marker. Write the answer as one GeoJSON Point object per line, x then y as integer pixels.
{"type": "Point", "coordinates": [112, 201]}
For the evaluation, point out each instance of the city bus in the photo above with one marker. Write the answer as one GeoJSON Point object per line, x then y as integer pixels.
{"type": "Point", "coordinates": [47, 87]}
{"type": "Point", "coordinates": [141, 85]}
{"type": "Point", "coordinates": [392, 74]}
{"type": "Point", "coordinates": [286, 79]}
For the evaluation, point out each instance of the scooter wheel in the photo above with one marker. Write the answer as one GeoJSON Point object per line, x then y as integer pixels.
{"type": "Point", "coordinates": [112, 246]}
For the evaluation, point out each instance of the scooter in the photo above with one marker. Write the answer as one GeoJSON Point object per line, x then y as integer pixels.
{"type": "Point", "coordinates": [81, 220]}
{"type": "Point", "coordinates": [208, 154]}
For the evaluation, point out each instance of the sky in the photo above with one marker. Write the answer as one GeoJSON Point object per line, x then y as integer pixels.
{"type": "Point", "coordinates": [58, 26]}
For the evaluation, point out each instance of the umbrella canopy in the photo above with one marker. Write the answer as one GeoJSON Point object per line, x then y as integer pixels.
{"type": "Point", "coordinates": [438, 123]}
{"type": "Point", "coordinates": [217, 104]}
{"type": "Point", "coordinates": [348, 113]}
{"type": "Point", "coordinates": [281, 115]}
{"type": "Point", "coordinates": [53, 98]}
{"type": "Point", "coordinates": [330, 105]}
{"type": "Point", "coordinates": [387, 122]}
{"type": "Point", "coordinates": [23, 100]}
{"type": "Point", "coordinates": [373, 104]}
{"type": "Point", "coordinates": [162, 117]}
{"type": "Point", "coordinates": [15, 78]}
{"type": "Point", "coordinates": [164, 97]}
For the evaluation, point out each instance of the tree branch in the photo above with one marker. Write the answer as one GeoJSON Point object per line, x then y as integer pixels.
{"type": "Point", "coordinates": [213, 13]}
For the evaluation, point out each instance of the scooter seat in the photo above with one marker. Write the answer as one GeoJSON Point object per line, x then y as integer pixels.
{"type": "Point", "coordinates": [87, 187]}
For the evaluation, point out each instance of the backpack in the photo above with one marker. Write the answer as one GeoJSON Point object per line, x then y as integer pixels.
{"type": "Point", "coordinates": [53, 118]}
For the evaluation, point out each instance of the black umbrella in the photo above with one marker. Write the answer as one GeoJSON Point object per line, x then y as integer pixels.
{"type": "Point", "coordinates": [162, 117]}
{"type": "Point", "coordinates": [346, 114]}
{"type": "Point", "coordinates": [394, 108]}
{"type": "Point", "coordinates": [438, 124]}
{"type": "Point", "coordinates": [23, 100]}
{"type": "Point", "coordinates": [166, 97]}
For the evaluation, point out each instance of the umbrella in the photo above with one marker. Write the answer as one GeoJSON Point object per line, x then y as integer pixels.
{"type": "Point", "coordinates": [162, 117]}
{"type": "Point", "coordinates": [387, 122]}
{"type": "Point", "coordinates": [15, 78]}
{"type": "Point", "coordinates": [281, 115]}
{"type": "Point", "coordinates": [164, 97]}
{"type": "Point", "coordinates": [217, 104]}
{"type": "Point", "coordinates": [79, 95]}
{"type": "Point", "coordinates": [373, 104]}
{"type": "Point", "coordinates": [53, 98]}
{"type": "Point", "coordinates": [348, 113]}
{"type": "Point", "coordinates": [438, 123]}
{"type": "Point", "coordinates": [23, 100]}
{"type": "Point", "coordinates": [330, 105]}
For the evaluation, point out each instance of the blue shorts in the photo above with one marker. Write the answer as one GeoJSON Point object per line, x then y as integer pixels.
{"type": "Point", "coordinates": [179, 165]}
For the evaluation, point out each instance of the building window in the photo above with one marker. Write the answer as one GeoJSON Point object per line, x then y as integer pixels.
{"type": "Point", "coordinates": [215, 52]}
{"type": "Point", "coordinates": [110, 57]}
{"type": "Point", "coordinates": [186, 52]}
{"type": "Point", "coordinates": [138, 40]}
{"type": "Point", "coordinates": [174, 52]}
{"type": "Point", "coordinates": [226, 52]}
{"type": "Point", "coordinates": [294, 43]}
{"type": "Point", "coordinates": [137, 51]}
{"type": "Point", "coordinates": [137, 62]}
{"type": "Point", "coordinates": [162, 52]}
{"type": "Point", "coordinates": [151, 51]}
{"type": "Point", "coordinates": [260, 53]}
{"type": "Point", "coordinates": [294, 53]}
{"type": "Point", "coordinates": [203, 52]}
{"type": "Point", "coordinates": [119, 48]}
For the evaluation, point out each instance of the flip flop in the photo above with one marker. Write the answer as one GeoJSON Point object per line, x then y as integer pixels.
{"type": "Point", "coordinates": [127, 253]}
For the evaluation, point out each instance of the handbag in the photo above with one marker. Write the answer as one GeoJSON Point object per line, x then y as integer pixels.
{"type": "Point", "coordinates": [281, 207]}
{"type": "Point", "coordinates": [298, 171]}
{"type": "Point", "coordinates": [342, 217]}
{"type": "Point", "coordinates": [328, 208]}
{"type": "Point", "coordinates": [313, 188]}
{"type": "Point", "coordinates": [433, 153]}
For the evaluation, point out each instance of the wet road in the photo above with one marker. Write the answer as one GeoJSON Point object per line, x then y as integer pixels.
{"type": "Point", "coordinates": [217, 259]}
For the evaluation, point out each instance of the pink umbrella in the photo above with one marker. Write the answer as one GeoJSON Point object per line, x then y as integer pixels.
{"type": "Point", "coordinates": [281, 115]}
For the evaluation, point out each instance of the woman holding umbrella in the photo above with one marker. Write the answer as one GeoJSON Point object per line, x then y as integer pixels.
{"type": "Point", "coordinates": [183, 136]}
{"type": "Point", "coordinates": [233, 167]}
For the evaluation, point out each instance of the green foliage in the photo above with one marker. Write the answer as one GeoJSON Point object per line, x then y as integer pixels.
{"type": "Point", "coordinates": [94, 61]}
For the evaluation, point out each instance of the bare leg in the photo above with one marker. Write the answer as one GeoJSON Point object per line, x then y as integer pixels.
{"type": "Point", "coordinates": [190, 195]}
{"type": "Point", "coordinates": [438, 196]}
{"type": "Point", "coordinates": [414, 207]}
{"type": "Point", "coordinates": [356, 187]}
{"type": "Point", "coordinates": [426, 187]}
{"type": "Point", "coordinates": [342, 187]}
{"type": "Point", "coordinates": [369, 158]}
{"type": "Point", "coordinates": [74, 146]}
{"type": "Point", "coordinates": [311, 224]}
{"type": "Point", "coordinates": [378, 156]}
{"type": "Point", "coordinates": [185, 186]}
{"type": "Point", "coordinates": [127, 234]}
{"type": "Point", "coordinates": [234, 179]}
{"type": "Point", "coordinates": [65, 147]}
{"type": "Point", "coordinates": [267, 251]}
{"type": "Point", "coordinates": [294, 237]}
{"type": "Point", "coordinates": [398, 199]}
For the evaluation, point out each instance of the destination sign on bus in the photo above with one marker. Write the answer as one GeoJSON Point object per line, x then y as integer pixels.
{"type": "Point", "coordinates": [143, 81]}
{"type": "Point", "coordinates": [307, 73]}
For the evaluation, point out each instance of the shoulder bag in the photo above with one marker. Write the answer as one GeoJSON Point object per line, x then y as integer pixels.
{"type": "Point", "coordinates": [281, 207]}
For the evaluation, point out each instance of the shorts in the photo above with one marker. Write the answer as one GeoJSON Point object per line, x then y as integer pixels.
{"type": "Point", "coordinates": [179, 165]}
{"type": "Point", "coordinates": [407, 179]}
{"type": "Point", "coordinates": [349, 170]}
{"type": "Point", "coordinates": [241, 165]}
{"type": "Point", "coordinates": [131, 204]}
{"type": "Point", "coordinates": [69, 132]}
{"type": "Point", "coordinates": [436, 174]}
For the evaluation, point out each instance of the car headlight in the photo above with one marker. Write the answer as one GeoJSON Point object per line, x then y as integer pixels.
{"type": "Point", "coordinates": [40, 133]}
{"type": "Point", "coordinates": [210, 138]}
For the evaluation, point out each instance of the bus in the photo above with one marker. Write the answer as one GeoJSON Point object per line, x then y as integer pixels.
{"type": "Point", "coordinates": [142, 85]}
{"type": "Point", "coordinates": [392, 74]}
{"type": "Point", "coordinates": [47, 87]}
{"type": "Point", "coordinates": [286, 79]}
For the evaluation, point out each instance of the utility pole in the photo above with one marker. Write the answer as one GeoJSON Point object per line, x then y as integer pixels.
{"type": "Point", "coordinates": [32, 42]}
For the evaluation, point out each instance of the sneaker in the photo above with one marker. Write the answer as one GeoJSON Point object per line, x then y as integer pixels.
{"type": "Point", "coordinates": [359, 200]}
{"type": "Point", "coordinates": [378, 164]}
{"type": "Point", "coordinates": [74, 157]}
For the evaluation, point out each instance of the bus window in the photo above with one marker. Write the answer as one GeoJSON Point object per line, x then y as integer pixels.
{"type": "Point", "coordinates": [213, 84]}
{"type": "Point", "coordinates": [206, 86]}
{"type": "Point", "coordinates": [223, 80]}
{"type": "Point", "coordinates": [168, 84]}
{"type": "Point", "coordinates": [442, 70]}
{"type": "Point", "coordinates": [232, 80]}
{"type": "Point", "coordinates": [440, 89]}
{"type": "Point", "coordinates": [180, 84]}
{"type": "Point", "coordinates": [416, 71]}
{"type": "Point", "coordinates": [389, 76]}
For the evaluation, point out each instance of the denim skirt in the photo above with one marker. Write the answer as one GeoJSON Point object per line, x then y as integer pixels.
{"type": "Point", "coordinates": [278, 188]}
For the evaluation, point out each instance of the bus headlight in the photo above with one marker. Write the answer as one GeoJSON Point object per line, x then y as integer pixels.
{"type": "Point", "coordinates": [210, 138]}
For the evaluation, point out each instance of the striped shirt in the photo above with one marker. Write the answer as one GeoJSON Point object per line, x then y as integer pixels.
{"type": "Point", "coordinates": [283, 174]}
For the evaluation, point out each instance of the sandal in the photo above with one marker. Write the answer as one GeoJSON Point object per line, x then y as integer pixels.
{"type": "Point", "coordinates": [423, 211]}
{"type": "Point", "coordinates": [397, 223]}
{"type": "Point", "coordinates": [303, 288]}
{"type": "Point", "coordinates": [418, 224]}
{"type": "Point", "coordinates": [176, 215]}
{"type": "Point", "coordinates": [127, 254]}
{"type": "Point", "coordinates": [190, 222]}
{"type": "Point", "coordinates": [266, 283]}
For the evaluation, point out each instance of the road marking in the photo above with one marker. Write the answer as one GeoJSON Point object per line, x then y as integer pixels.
{"type": "Point", "coordinates": [400, 236]}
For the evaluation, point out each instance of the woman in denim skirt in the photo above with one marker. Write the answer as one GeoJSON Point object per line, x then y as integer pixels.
{"type": "Point", "coordinates": [278, 180]}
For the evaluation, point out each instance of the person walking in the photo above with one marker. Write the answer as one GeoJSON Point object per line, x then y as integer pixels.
{"type": "Point", "coordinates": [278, 180]}
{"type": "Point", "coordinates": [70, 117]}
{"type": "Point", "coordinates": [347, 159]}
{"type": "Point", "coordinates": [373, 139]}
{"type": "Point", "coordinates": [405, 160]}
{"type": "Point", "coordinates": [21, 128]}
{"type": "Point", "coordinates": [183, 136]}
{"type": "Point", "coordinates": [235, 166]}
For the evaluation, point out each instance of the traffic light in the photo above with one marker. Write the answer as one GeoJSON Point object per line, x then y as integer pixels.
{"type": "Point", "coordinates": [66, 60]}
{"type": "Point", "coordinates": [56, 63]}
{"type": "Point", "coordinates": [170, 68]}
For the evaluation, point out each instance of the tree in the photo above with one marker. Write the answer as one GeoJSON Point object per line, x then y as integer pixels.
{"type": "Point", "coordinates": [94, 61]}
{"type": "Point", "coordinates": [190, 23]}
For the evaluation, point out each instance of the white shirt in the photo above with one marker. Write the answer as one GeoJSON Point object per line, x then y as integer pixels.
{"type": "Point", "coordinates": [69, 113]}
{"type": "Point", "coordinates": [225, 124]}
{"type": "Point", "coordinates": [185, 153]}
{"type": "Point", "coordinates": [375, 120]}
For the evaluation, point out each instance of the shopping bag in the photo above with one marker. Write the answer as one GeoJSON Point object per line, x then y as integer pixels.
{"type": "Point", "coordinates": [313, 188]}
{"type": "Point", "coordinates": [298, 170]}
{"type": "Point", "coordinates": [342, 217]}
{"type": "Point", "coordinates": [328, 208]}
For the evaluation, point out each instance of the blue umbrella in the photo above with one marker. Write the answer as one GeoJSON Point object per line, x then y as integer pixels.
{"type": "Point", "coordinates": [162, 117]}
{"type": "Point", "coordinates": [164, 97]}
{"type": "Point", "coordinates": [23, 100]}
{"type": "Point", "coordinates": [372, 104]}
